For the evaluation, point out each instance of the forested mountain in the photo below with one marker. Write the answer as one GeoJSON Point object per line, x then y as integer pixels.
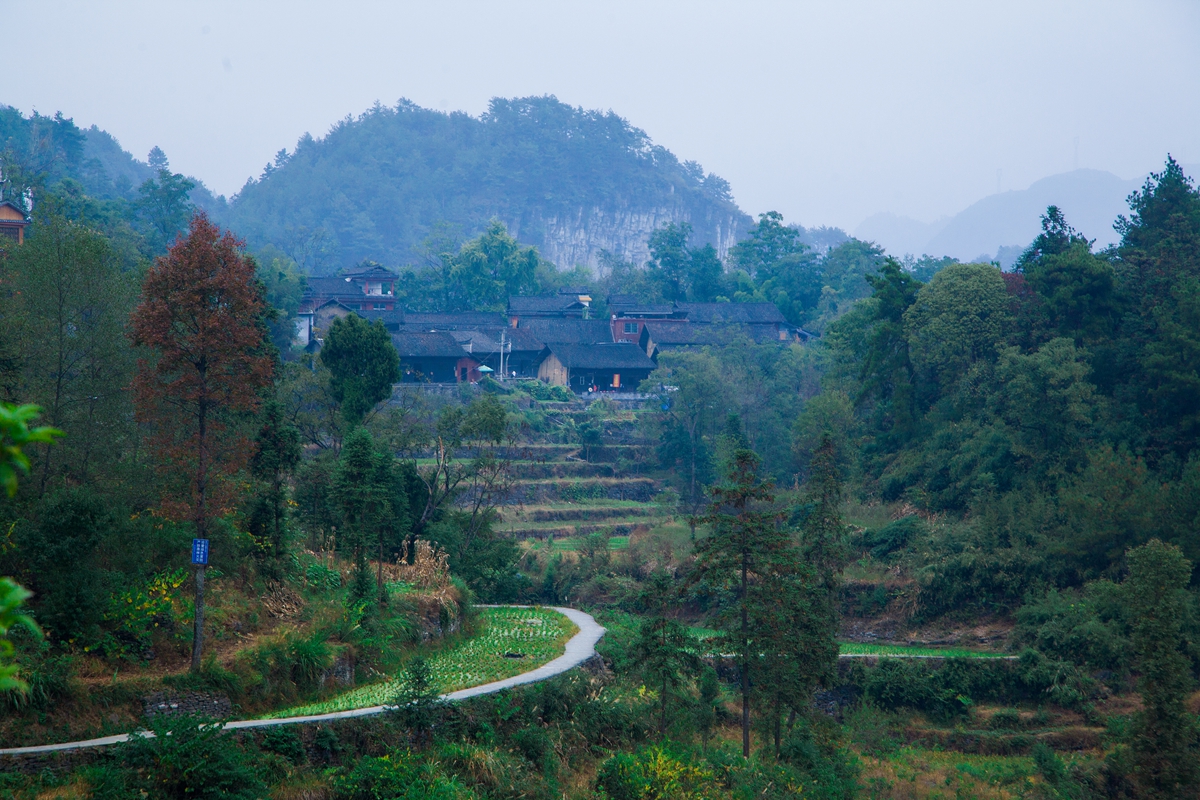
{"type": "Point", "coordinates": [40, 150]}
{"type": "Point", "coordinates": [569, 181]}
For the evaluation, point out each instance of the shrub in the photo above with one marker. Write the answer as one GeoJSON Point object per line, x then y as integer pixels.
{"type": "Point", "coordinates": [188, 758]}
{"type": "Point", "coordinates": [893, 536]}
{"type": "Point", "coordinates": [653, 772]}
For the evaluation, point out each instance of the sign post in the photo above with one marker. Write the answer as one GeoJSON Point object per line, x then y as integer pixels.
{"type": "Point", "coordinates": [200, 559]}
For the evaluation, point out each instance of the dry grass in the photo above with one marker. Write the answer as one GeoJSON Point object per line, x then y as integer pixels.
{"type": "Point", "coordinates": [910, 774]}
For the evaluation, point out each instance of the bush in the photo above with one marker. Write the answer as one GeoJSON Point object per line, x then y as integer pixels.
{"type": "Point", "coordinates": [190, 757]}
{"type": "Point", "coordinates": [893, 536]}
{"type": "Point", "coordinates": [1089, 628]}
{"type": "Point", "coordinates": [653, 772]}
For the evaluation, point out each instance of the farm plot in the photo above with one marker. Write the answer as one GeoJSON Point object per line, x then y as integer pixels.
{"type": "Point", "coordinates": [912, 651]}
{"type": "Point", "coordinates": [512, 641]}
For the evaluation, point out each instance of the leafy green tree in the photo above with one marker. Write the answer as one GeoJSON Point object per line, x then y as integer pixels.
{"type": "Point", "coordinates": [490, 268]}
{"type": "Point", "coordinates": [745, 546]}
{"type": "Point", "coordinates": [60, 552]}
{"type": "Point", "coordinates": [363, 364]}
{"type": "Point", "coordinates": [664, 649]}
{"type": "Point", "coordinates": [696, 405]}
{"type": "Point", "coordinates": [707, 704]}
{"type": "Point", "coordinates": [276, 454]}
{"type": "Point", "coordinates": [784, 269]}
{"type": "Point", "coordinates": [1166, 734]}
{"type": "Point", "coordinates": [72, 300]}
{"type": "Point", "coordinates": [959, 318]}
{"type": "Point", "coordinates": [681, 272]}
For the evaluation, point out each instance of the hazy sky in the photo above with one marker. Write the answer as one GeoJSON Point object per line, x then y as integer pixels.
{"type": "Point", "coordinates": [827, 112]}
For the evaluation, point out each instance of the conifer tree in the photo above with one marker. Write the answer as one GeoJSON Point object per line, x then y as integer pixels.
{"type": "Point", "coordinates": [202, 322]}
{"type": "Point", "coordinates": [745, 546]}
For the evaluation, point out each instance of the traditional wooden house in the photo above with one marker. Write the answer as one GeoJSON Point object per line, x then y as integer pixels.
{"type": "Point", "coordinates": [434, 358]}
{"type": "Point", "coordinates": [12, 222]}
{"type": "Point", "coordinates": [604, 367]}
{"type": "Point", "coordinates": [567, 302]}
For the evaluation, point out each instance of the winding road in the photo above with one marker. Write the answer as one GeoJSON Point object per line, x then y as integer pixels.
{"type": "Point", "coordinates": [580, 648]}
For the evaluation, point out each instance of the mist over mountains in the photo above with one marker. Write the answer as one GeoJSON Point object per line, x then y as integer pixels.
{"type": "Point", "coordinates": [1000, 226]}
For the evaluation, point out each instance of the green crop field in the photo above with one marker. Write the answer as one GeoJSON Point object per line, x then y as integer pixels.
{"type": "Point", "coordinates": [884, 650]}
{"type": "Point", "coordinates": [910, 651]}
{"type": "Point", "coordinates": [537, 634]}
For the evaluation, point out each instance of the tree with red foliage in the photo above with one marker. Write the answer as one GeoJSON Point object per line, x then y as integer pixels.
{"type": "Point", "coordinates": [203, 317]}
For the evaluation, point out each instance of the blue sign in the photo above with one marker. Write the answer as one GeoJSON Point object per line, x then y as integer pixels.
{"type": "Point", "coordinates": [199, 551]}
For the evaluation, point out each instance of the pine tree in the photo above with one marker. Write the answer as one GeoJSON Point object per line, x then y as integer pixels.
{"type": "Point", "coordinates": [745, 546]}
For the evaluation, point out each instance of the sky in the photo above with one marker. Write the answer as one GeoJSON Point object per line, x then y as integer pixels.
{"type": "Point", "coordinates": [826, 112]}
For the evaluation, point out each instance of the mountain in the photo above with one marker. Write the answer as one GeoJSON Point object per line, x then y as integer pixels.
{"type": "Point", "coordinates": [1091, 200]}
{"type": "Point", "coordinates": [572, 182]}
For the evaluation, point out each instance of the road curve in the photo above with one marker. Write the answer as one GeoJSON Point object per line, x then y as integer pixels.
{"type": "Point", "coordinates": [580, 648]}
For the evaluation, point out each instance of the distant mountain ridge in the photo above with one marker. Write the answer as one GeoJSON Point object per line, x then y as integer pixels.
{"type": "Point", "coordinates": [572, 182]}
{"type": "Point", "coordinates": [1004, 224]}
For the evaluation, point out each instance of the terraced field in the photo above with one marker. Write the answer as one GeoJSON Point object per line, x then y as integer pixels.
{"type": "Point", "coordinates": [558, 494]}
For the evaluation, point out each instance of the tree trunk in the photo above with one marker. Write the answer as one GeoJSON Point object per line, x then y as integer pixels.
{"type": "Point", "coordinates": [201, 527]}
{"type": "Point", "coordinates": [745, 660]}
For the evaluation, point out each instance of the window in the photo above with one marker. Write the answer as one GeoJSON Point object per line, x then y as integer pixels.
{"type": "Point", "coordinates": [631, 327]}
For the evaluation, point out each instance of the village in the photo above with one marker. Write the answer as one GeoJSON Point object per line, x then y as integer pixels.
{"type": "Point", "coordinates": [556, 338]}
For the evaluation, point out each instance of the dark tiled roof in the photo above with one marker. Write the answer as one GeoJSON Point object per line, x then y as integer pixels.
{"type": "Point", "coordinates": [455, 320]}
{"type": "Point", "coordinates": [610, 355]}
{"type": "Point", "coordinates": [570, 331]}
{"type": "Point", "coordinates": [523, 339]}
{"type": "Point", "coordinates": [372, 273]}
{"type": "Point", "coordinates": [476, 342]}
{"type": "Point", "coordinates": [678, 333]}
{"type": "Point", "coordinates": [633, 310]}
{"type": "Point", "coordinates": [575, 290]}
{"type": "Point", "coordinates": [391, 319]}
{"type": "Point", "coordinates": [545, 304]}
{"type": "Point", "coordinates": [331, 285]}
{"type": "Point", "coordinates": [732, 312]}
{"type": "Point", "coordinates": [427, 345]}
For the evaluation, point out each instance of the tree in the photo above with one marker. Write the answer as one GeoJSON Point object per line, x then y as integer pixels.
{"type": "Point", "coordinates": [362, 489]}
{"type": "Point", "coordinates": [363, 364]}
{"type": "Point", "coordinates": [1165, 740]}
{"type": "Point", "coordinates": [201, 320]}
{"type": "Point", "coordinates": [696, 406]}
{"type": "Point", "coordinates": [1077, 287]}
{"type": "Point", "coordinates": [682, 272]}
{"type": "Point", "coordinates": [418, 700]}
{"type": "Point", "coordinates": [276, 453]}
{"type": "Point", "coordinates": [664, 650]}
{"type": "Point", "coordinates": [74, 301]}
{"type": "Point", "coordinates": [164, 203]}
{"type": "Point", "coordinates": [489, 269]}
{"type": "Point", "coordinates": [744, 546]}
{"type": "Point", "coordinates": [784, 269]}
{"type": "Point", "coordinates": [959, 318]}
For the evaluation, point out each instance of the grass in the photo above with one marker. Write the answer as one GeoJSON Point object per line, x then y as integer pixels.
{"type": "Point", "coordinates": [884, 650]}
{"type": "Point", "coordinates": [910, 651]}
{"type": "Point", "coordinates": [538, 634]}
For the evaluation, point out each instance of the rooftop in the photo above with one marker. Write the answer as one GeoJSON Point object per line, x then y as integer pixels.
{"type": "Point", "coordinates": [570, 331]}
{"type": "Point", "coordinates": [606, 355]}
{"type": "Point", "coordinates": [427, 345]}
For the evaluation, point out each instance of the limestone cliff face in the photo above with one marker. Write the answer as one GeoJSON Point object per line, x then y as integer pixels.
{"type": "Point", "coordinates": [579, 237]}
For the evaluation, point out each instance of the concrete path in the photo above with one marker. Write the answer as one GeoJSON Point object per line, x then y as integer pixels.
{"type": "Point", "coordinates": [580, 648]}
